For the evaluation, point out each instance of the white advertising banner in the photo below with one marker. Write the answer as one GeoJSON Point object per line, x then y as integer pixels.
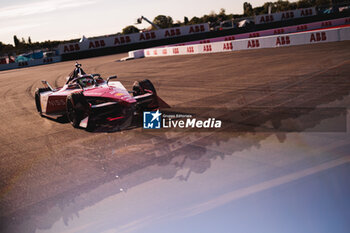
{"type": "Point", "coordinates": [276, 31]}
{"type": "Point", "coordinates": [35, 62]}
{"type": "Point", "coordinates": [113, 41]}
{"type": "Point", "coordinates": [344, 34]}
{"type": "Point", "coordinates": [312, 37]}
{"type": "Point", "coordinates": [285, 15]}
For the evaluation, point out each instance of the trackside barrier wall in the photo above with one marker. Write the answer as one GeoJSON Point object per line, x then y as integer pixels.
{"type": "Point", "coordinates": [330, 35]}
{"type": "Point", "coordinates": [136, 53]}
{"type": "Point", "coordinates": [35, 62]}
{"type": "Point", "coordinates": [276, 31]}
{"type": "Point", "coordinates": [285, 15]}
{"type": "Point", "coordinates": [344, 34]}
{"type": "Point", "coordinates": [126, 47]}
{"type": "Point", "coordinates": [120, 40]}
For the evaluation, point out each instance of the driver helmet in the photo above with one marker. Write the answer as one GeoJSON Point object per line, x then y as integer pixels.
{"type": "Point", "coordinates": [86, 81]}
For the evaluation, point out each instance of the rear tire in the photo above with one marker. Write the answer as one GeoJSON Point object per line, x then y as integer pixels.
{"type": "Point", "coordinates": [76, 108]}
{"type": "Point", "coordinates": [147, 85]}
{"type": "Point", "coordinates": [37, 99]}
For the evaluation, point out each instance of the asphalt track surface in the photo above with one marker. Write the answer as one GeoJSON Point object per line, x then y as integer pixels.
{"type": "Point", "coordinates": [257, 94]}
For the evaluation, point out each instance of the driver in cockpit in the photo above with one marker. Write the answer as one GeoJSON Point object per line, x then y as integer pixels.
{"type": "Point", "coordinates": [86, 81]}
{"type": "Point", "coordinates": [78, 71]}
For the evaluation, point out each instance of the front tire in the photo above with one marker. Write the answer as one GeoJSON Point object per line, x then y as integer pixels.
{"type": "Point", "coordinates": [76, 108]}
{"type": "Point", "coordinates": [147, 85]}
{"type": "Point", "coordinates": [38, 91]}
{"type": "Point", "coordinates": [143, 87]}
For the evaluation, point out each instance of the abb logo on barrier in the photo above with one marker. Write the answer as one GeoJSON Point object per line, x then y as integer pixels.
{"type": "Point", "coordinates": [287, 15]}
{"type": "Point", "coordinates": [97, 44]}
{"type": "Point", "coordinates": [326, 24]}
{"type": "Point", "coordinates": [253, 44]}
{"type": "Point", "coordinates": [204, 41]}
{"type": "Point", "coordinates": [147, 35]}
{"type": "Point", "coordinates": [302, 28]}
{"type": "Point", "coordinates": [306, 12]}
{"type": "Point", "coordinates": [252, 35]}
{"type": "Point", "coordinates": [319, 36]}
{"type": "Point", "coordinates": [227, 46]}
{"type": "Point", "coordinates": [282, 40]}
{"type": "Point", "coordinates": [148, 52]}
{"type": "Point", "coordinates": [266, 19]}
{"type": "Point", "coordinates": [122, 40]}
{"type": "Point", "coordinates": [164, 51]}
{"type": "Point", "coordinates": [278, 31]}
{"type": "Point", "coordinates": [172, 32]}
{"type": "Point", "coordinates": [175, 50]}
{"type": "Point", "coordinates": [190, 49]}
{"type": "Point", "coordinates": [229, 38]}
{"type": "Point", "coordinates": [196, 28]}
{"type": "Point", "coordinates": [207, 48]}
{"type": "Point", "coordinates": [155, 52]}
{"type": "Point", "coordinates": [71, 48]}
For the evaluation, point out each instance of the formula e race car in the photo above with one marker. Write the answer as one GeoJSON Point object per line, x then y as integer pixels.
{"type": "Point", "coordinates": [88, 100]}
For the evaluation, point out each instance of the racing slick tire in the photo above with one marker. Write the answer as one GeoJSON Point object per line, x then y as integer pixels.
{"type": "Point", "coordinates": [76, 108]}
{"type": "Point", "coordinates": [146, 84]}
{"type": "Point", "coordinates": [37, 99]}
{"type": "Point", "coordinates": [140, 88]}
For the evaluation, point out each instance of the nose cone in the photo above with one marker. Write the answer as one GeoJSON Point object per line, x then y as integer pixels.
{"type": "Point", "coordinates": [118, 95]}
{"type": "Point", "coordinates": [109, 92]}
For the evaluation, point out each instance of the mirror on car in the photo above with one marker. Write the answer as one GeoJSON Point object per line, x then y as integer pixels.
{"type": "Point", "coordinates": [111, 77]}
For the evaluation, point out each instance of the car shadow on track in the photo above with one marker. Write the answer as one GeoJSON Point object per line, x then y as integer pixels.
{"type": "Point", "coordinates": [135, 122]}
